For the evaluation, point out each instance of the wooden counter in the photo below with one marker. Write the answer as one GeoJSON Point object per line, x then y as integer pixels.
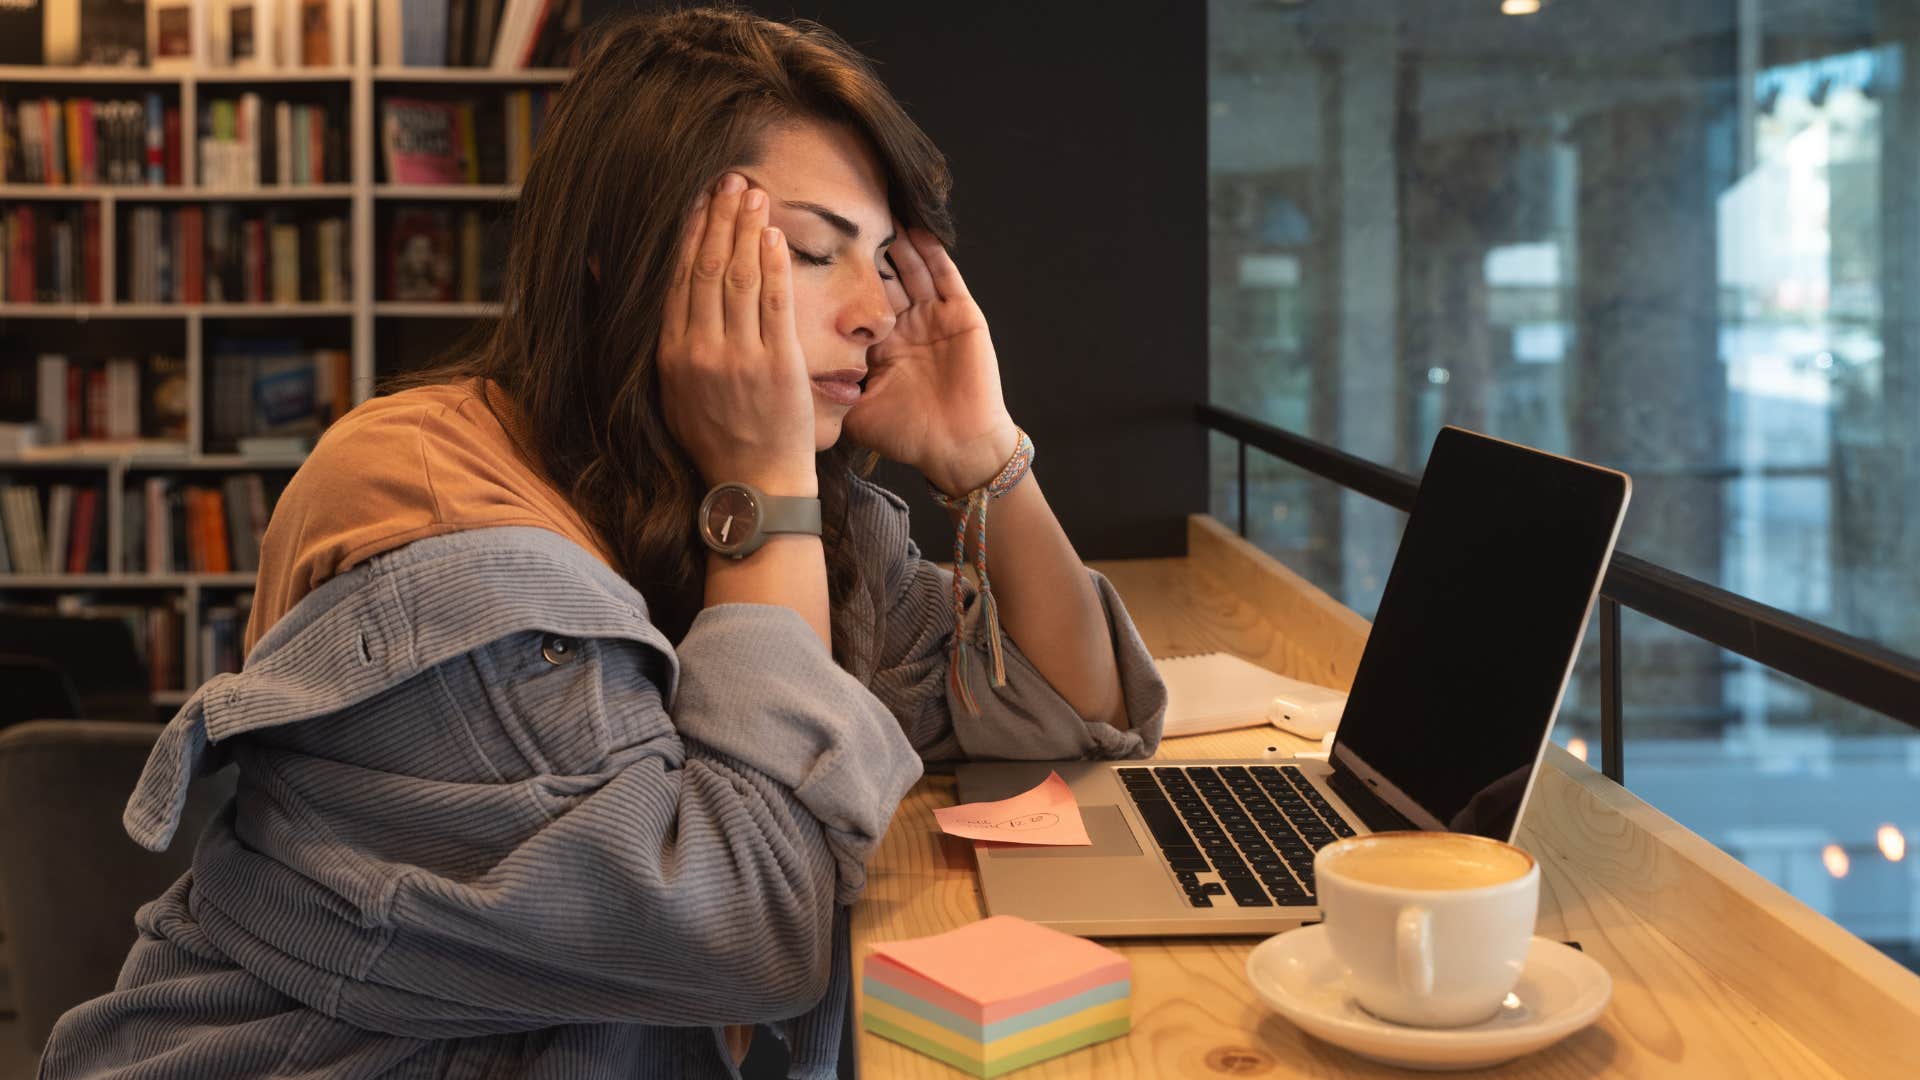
{"type": "Point", "coordinates": [1716, 971]}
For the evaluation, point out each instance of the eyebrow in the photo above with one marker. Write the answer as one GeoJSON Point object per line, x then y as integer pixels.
{"type": "Point", "coordinates": [840, 224]}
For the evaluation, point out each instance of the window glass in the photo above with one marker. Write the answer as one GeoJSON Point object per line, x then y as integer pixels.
{"type": "Point", "coordinates": [1677, 239]}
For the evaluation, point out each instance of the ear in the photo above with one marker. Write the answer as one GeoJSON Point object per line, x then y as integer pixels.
{"type": "Point", "coordinates": [593, 264]}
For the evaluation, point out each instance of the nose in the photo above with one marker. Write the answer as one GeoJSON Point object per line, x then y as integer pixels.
{"type": "Point", "coordinates": [866, 314]}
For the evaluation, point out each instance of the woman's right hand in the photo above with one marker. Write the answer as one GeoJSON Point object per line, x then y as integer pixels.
{"type": "Point", "coordinates": [733, 381]}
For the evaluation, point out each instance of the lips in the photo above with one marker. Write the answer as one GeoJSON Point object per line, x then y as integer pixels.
{"type": "Point", "coordinates": [840, 387]}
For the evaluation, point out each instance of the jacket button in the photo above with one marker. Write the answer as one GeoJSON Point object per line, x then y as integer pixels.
{"type": "Point", "coordinates": [559, 650]}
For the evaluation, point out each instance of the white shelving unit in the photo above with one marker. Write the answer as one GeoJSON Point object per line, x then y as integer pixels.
{"type": "Point", "coordinates": [363, 83]}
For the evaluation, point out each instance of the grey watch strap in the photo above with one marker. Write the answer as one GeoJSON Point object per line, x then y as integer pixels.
{"type": "Point", "coordinates": [789, 514]}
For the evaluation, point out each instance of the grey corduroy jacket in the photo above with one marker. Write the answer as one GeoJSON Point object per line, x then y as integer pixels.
{"type": "Point", "coordinates": [490, 822]}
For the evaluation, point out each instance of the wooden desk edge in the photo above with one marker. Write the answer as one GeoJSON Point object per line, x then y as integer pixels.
{"type": "Point", "coordinates": [1838, 995]}
{"type": "Point", "coordinates": [1298, 607]}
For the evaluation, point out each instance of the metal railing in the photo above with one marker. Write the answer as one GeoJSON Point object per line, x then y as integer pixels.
{"type": "Point", "coordinates": [1847, 667]}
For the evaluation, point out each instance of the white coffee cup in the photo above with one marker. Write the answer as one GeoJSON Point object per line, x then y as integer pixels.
{"type": "Point", "coordinates": [1432, 927]}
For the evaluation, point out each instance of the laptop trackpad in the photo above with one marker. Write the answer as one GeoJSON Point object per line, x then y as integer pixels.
{"type": "Point", "coordinates": [1106, 827]}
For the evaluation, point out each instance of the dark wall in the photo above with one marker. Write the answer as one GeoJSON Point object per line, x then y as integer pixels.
{"type": "Point", "coordinates": [1077, 136]}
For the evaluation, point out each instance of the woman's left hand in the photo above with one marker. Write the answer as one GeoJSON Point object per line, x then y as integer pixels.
{"type": "Point", "coordinates": [932, 396]}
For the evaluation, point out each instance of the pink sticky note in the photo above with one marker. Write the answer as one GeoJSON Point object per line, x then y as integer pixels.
{"type": "Point", "coordinates": [996, 968]}
{"type": "Point", "coordinates": [1047, 814]}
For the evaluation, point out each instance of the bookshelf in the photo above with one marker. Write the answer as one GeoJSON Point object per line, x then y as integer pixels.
{"type": "Point", "coordinates": [377, 334]}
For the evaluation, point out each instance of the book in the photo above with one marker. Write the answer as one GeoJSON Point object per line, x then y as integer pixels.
{"type": "Point", "coordinates": [341, 12]}
{"type": "Point", "coordinates": [285, 241]}
{"type": "Point", "coordinates": [519, 25]}
{"type": "Point", "coordinates": [243, 45]}
{"type": "Point", "coordinates": [25, 530]}
{"type": "Point", "coordinates": [281, 397]}
{"type": "Point", "coordinates": [53, 123]}
{"type": "Point", "coordinates": [86, 520]}
{"type": "Point", "coordinates": [332, 384]}
{"type": "Point", "coordinates": [420, 255]}
{"type": "Point", "coordinates": [17, 439]}
{"type": "Point", "coordinates": [246, 545]}
{"type": "Point", "coordinates": [58, 524]}
{"type": "Point", "coordinates": [486, 29]}
{"type": "Point", "coordinates": [158, 546]}
{"type": "Point", "coordinates": [419, 141]}
{"type": "Point", "coordinates": [156, 135]}
{"type": "Point", "coordinates": [459, 17]}
{"type": "Point", "coordinates": [169, 35]}
{"type": "Point", "coordinates": [123, 399]}
{"type": "Point", "coordinates": [423, 33]}
{"type": "Point", "coordinates": [164, 405]}
{"type": "Point", "coordinates": [1216, 691]}
{"type": "Point", "coordinates": [553, 45]}
{"type": "Point", "coordinates": [53, 398]}
{"type": "Point", "coordinates": [132, 528]}
{"type": "Point", "coordinates": [10, 523]}
{"type": "Point", "coordinates": [90, 254]}
{"type": "Point", "coordinates": [170, 145]}
{"type": "Point", "coordinates": [316, 33]}
{"type": "Point", "coordinates": [388, 30]}
{"type": "Point", "coordinates": [466, 148]}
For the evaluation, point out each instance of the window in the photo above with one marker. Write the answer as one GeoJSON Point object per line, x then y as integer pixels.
{"type": "Point", "coordinates": [1682, 240]}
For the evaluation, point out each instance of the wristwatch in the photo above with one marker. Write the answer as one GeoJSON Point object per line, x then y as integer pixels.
{"type": "Point", "coordinates": [735, 518]}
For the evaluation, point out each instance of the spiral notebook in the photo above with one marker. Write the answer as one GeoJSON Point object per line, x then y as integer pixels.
{"type": "Point", "coordinates": [1217, 691]}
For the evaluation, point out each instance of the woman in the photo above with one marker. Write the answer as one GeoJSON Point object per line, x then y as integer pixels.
{"type": "Point", "coordinates": [545, 769]}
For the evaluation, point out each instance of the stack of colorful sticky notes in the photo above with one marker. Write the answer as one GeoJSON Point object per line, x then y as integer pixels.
{"type": "Point", "coordinates": [997, 994]}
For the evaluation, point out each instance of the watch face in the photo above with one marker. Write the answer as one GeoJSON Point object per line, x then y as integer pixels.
{"type": "Point", "coordinates": [732, 518]}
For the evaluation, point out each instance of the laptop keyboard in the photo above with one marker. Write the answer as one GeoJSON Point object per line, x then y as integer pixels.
{"type": "Point", "coordinates": [1245, 832]}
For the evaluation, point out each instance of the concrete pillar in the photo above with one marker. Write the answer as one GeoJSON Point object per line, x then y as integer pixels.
{"type": "Point", "coordinates": [1647, 388]}
{"type": "Point", "coordinates": [1369, 391]}
{"type": "Point", "coordinates": [1876, 422]}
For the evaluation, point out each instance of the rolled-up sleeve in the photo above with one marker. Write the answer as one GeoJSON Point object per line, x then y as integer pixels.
{"type": "Point", "coordinates": [672, 890]}
{"type": "Point", "coordinates": [1026, 719]}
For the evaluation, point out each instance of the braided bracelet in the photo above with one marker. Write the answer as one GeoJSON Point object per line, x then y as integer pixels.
{"type": "Point", "coordinates": [972, 504]}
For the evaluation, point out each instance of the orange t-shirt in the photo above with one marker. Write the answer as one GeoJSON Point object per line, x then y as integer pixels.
{"type": "Point", "coordinates": [419, 463]}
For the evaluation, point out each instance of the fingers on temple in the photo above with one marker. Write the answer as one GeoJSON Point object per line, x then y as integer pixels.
{"type": "Point", "coordinates": [742, 291]}
{"type": "Point", "coordinates": [915, 277]}
{"type": "Point", "coordinates": [679, 302]}
{"type": "Point", "coordinates": [946, 276]}
{"type": "Point", "coordinates": [707, 312]}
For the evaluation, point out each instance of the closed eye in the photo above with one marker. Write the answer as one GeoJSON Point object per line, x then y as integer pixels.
{"type": "Point", "coordinates": [824, 260]}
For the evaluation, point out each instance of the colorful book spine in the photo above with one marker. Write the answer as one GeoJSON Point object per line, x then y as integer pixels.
{"type": "Point", "coordinates": [156, 140]}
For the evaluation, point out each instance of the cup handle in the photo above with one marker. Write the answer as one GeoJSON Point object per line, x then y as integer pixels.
{"type": "Point", "coordinates": [1413, 941]}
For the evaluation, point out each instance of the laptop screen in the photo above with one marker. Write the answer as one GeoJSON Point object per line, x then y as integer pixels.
{"type": "Point", "coordinates": [1477, 631]}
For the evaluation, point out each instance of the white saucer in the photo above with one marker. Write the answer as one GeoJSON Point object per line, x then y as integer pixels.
{"type": "Point", "coordinates": [1561, 991]}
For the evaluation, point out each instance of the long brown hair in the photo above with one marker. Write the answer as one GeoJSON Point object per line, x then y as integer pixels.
{"type": "Point", "coordinates": [660, 106]}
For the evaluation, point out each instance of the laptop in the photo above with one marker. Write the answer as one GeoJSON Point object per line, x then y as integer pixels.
{"type": "Point", "coordinates": [1445, 725]}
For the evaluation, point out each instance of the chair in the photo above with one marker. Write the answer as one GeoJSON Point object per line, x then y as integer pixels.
{"type": "Point", "coordinates": [65, 667]}
{"type": "Point", "coordinates": [70, 877]}
{"type": "Point", "coordinates": [36, 689]}
{"type": "Point", "coordinates": [93, 655]}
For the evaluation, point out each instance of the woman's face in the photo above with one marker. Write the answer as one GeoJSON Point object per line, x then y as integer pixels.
{"type": "Point", "coordinates": [828, 199]}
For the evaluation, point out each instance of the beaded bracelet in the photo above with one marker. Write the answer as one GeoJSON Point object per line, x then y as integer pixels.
{"type": "Point", "coordinates": [974, 504]}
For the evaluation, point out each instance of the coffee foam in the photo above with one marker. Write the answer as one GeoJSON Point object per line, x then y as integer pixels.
{"type": "Point", "coordinates": [1428, 861]}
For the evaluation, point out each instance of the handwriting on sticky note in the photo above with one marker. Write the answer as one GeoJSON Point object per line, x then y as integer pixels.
{"type": "Point", "coordinates": [1046, 814]}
